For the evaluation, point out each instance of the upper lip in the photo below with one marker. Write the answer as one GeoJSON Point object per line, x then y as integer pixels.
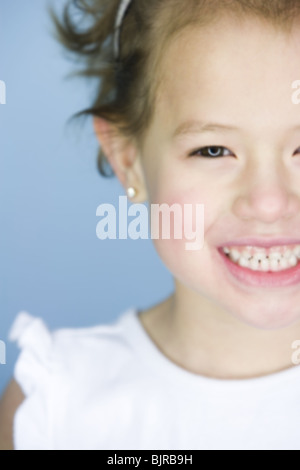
{"type": "Point", "coordinates": [261, 242]}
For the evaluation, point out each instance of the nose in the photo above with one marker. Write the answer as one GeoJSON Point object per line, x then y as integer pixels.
{"type": "Point", "coordinates": [268, 196]}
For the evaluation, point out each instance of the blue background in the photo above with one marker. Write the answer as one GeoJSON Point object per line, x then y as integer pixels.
{"type": "Point", "coordinates": [52, 265]}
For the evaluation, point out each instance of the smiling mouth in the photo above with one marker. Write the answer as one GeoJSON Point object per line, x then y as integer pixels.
{"type": "Point", "coordinates": [260, 259]}
{"type": "Point", "coordinates": [273, 267]}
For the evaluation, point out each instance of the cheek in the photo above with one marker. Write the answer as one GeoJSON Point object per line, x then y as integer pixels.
{"type": "Point", "coordinates": [191, 198]}
{"type": "Point", "coordinates": [183, 263]}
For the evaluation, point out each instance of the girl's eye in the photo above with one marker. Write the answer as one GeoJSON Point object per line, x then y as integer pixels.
{"type": "Point", "coordinates": [297, 151]}
{"type": "Point", "coordinates": [212, 152]}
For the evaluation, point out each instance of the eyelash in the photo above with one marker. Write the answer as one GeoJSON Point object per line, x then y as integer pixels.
{"type": "Point", "coordinates": [215, 155]}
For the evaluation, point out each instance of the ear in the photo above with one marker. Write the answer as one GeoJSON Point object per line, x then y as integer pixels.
{"type": "Point", "coordinates": [123, 156]}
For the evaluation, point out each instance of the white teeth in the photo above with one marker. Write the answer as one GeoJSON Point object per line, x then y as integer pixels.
{"type": "Point", "coordinates": [247, 255]}
{"type": "Point", "coordinates": [265, 265]}
{"type": "Point", "coordinates": [275, 256]}
{"type": "Point", "coordinates": [297, 251]}
{"type": "Point", "coordinates": [235, 255]}
{"type": "Point", "coordinates": [284, 263]}
{"type": "Point", "coordinates": [257, 259]}
{"type": "Point", "coordinates": [293, 260]}
{"type": "Point", "coordinates": [254, 264]}
{"type": "Point", "coordinates": [288, 254]}
{"type": "Point", "coordinates": [244, 263]}
{"type": "Point", "coordinates": [259, 256]}
{"type": "Point", "coordinates": [274, 265]}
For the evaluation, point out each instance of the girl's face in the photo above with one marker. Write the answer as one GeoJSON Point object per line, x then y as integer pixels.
{"type": "Point", "coordinates": [229, 86]}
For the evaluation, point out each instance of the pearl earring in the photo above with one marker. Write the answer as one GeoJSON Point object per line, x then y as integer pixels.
{"type": "Point", "coordinates": [131, 192]}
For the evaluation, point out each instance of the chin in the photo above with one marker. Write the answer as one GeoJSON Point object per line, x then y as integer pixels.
{"type": "Point", "coordinates": [269, 317]}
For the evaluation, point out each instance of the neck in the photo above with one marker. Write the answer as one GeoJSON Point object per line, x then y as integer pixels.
{"type": "Point", "coordinates": [206, 340]}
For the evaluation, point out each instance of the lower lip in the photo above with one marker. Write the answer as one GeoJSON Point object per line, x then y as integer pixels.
{"type": "Point", "coordinates": [288, 277]}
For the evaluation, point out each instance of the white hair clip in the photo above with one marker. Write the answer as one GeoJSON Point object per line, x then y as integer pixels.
{"type": "Point", "coordinates": [118, 24]}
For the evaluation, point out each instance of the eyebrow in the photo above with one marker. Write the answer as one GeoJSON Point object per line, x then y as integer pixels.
{"type": "Point", "coordinates": [198, 127]}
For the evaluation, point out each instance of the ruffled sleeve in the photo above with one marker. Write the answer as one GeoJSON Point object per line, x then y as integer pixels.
{"type": "Point", "coordinates": [33, 373]}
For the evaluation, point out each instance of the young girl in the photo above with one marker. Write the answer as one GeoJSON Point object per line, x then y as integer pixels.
{"type": "Point", "coordinates": [194, 106]}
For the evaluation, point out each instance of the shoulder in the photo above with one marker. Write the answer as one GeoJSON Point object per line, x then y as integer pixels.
{"type": "Point", "coordinates": [35, 339]}
{"type": "Point", "coordinates": [10, 402]}
{"type": "Point", "coordinates": [46, 354]}
{"type": "Point", "coordinates": [89, 346]}
{"type": "Point", "coordinates": [56, 371]}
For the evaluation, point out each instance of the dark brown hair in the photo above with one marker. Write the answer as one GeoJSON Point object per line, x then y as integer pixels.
{"type": "Point", "coordinates": [127, 86]}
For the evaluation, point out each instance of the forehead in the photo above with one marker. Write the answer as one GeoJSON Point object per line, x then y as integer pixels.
{"type": "Point", "coordinates": [228, 69]}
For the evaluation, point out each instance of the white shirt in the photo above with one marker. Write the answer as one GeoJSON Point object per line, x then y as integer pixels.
{"type": "Point", "coordinates": [109, 387]}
